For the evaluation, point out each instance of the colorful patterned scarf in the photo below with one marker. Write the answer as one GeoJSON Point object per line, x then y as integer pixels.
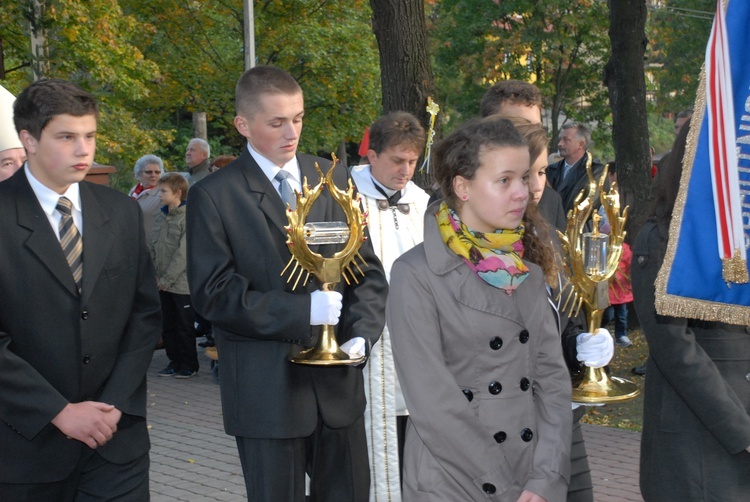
{"type": "Point", "coordinates": [495, 257]}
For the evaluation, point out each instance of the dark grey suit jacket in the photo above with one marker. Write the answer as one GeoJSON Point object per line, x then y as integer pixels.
{"type": "Point", "coordinates": [570, 186]}
{"type": "Point", "coordinates": [696, 410]}
{"type": "Point", "coordinates": [236, 252]}
{"type": "Point", "coordinates": [551, 208]}
{"type": "Point", "coordinates": [58, 347]}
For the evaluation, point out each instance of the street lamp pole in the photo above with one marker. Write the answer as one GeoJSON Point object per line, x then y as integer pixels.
{"type": "Point", "coordinates": [249, 31]}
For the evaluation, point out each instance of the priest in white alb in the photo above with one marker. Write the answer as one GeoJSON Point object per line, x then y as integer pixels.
{"type": "Point", "coordinates": [395, 207]}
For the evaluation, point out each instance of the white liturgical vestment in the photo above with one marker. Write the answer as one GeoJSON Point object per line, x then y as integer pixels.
{"type": "Point", "coordinates": [393, 231]}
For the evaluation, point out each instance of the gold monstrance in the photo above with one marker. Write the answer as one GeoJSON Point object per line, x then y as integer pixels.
{"type": "Point", "coordinates": [327, 271]}
{"type": "Point", "coordinates": [592, 259]}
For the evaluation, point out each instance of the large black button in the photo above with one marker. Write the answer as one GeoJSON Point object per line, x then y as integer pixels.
{"type": "Point", "coordinates": [495, 388]}
{"type": "Point", "coordinates": [85, 315]}
{"type": "Point", "coordinates": [527, 435]}
{"type": "Point", "coordinates": [86, 359]}
{"type": "Point", "coordinates": [469, 394]}
{"type": "Point", "coordinates": [496, 343]}
{"type": "Point", "coordinates": [525, 384]}
{"type": "Point", "coordinates": [500, 436]}
{"type": "Point", "coordinates": [488, 488]}
{"type": "Point", "coordinates": [523, 336]}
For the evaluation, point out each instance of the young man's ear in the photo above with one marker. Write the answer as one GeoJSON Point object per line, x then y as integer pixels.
{"type": "Point", "coordinates": [240, 123]}
{"type": "Point", "coordinates": [28, 141]}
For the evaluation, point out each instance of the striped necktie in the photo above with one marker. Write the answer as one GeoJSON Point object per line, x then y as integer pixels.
{"type": "Point", "coordinates": [285, 190]}
{"type": "Point", "coordinates": [70, 240]}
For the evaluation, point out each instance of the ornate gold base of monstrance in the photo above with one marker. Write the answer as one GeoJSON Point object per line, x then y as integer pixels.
{"type": "Point", "coordinates": [326, 270]}
{"type": "Point", "coordinates": [594, 386]}
{"type": "Point", "coordinates": [592, 259]}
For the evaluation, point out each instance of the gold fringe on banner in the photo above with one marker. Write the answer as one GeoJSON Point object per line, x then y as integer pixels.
{"type": "Point", "coordinates": [734, 269]}
{"type": "Point", "coordinates": [679, 306]}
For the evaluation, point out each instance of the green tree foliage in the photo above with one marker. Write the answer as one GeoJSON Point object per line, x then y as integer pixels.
{"type": "Point", "coordinates": [560, 45]}
{"type": "Point", "coordinates": [678, 33]}
{"type": "Point", "coordinates": [14, 46]}
{"type": "Point", "coordinates": [198, 48]}
{"type": "Point", "coordinates": [92, 43]}
{"type": "Point", "coordinates": [329, 48]}
{"type": "Point", "coordinates": [151, 63]}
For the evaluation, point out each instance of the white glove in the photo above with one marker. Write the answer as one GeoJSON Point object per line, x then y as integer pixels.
{"type": "Point", "coordinates": [595, 350]}
{"type": "Point", "coordinates": [354, 347]}
{"type": "Point", "coordinates": [325, 307]}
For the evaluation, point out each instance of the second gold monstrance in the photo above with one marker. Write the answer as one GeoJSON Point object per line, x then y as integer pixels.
{"type": "Point", "coordinates": [326, 270]}
{"type": "Point", "coordinates": [592, 259]}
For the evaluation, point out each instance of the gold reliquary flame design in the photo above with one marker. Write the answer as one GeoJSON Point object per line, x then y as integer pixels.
{"type": "Point", "coordinates": [328, 271]}
{"type": "Point", "coordinates": [591, 260]}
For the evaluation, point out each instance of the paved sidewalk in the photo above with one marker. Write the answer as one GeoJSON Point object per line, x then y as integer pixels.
{"type": "Point", "coordinates": [193, 460]}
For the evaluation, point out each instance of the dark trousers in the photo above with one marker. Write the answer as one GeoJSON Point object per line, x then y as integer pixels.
{"type": "Point", "coordinates": [93, 479]}
{"type": "Point", "coordinates": [401, 421]}
{"type": "Point", "coordinates": [335, 459]}
{"type": "Point", "coordinates": [177, 330]}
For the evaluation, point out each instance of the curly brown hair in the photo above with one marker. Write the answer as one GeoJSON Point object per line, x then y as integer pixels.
{"type": "Point", "coordinates": [537, 244]}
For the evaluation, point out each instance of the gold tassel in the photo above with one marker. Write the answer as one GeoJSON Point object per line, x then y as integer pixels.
{"type": "Point", "coordinates": [734, 269]}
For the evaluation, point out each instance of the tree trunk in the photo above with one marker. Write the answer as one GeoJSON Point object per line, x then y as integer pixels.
{"type": "Point", "coordinates": [625, 79]}
{"type": "Point", "coordinates": [405, 68]}
{"type": "Point", "coordinates": [200, 126]}
{"type": "Point", "coordinates": [39, 49]}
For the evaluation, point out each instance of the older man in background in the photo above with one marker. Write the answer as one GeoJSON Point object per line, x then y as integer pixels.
{"type": "Point", "coordinates": [12, 153]}
{"type": "Point", "coordinates": [197, 160]}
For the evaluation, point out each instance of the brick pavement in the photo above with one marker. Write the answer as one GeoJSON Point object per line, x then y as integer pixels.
{"type": "Point", "coordinates": [193, 460]}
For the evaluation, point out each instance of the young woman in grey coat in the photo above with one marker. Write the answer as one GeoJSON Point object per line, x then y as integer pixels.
{"type": "Point", "coordinates": [475, 342]}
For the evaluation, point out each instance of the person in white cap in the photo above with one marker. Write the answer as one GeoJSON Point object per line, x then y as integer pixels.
{"type": "Point", "coordinates": [12, 153]}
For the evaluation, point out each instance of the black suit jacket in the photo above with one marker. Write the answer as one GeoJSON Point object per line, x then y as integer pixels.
{"type": "Point", "coordinates": [236, 252]}
{"type": "Point", "coordinates": [58, 347]}
{"type": "Point", "coordinates": [571, 186]}
{"type": "Point", "coordinates": [551, 208]}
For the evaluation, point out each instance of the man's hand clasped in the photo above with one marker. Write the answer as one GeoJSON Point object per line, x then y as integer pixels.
{"type": "Point", "coordinates": [89, 422]}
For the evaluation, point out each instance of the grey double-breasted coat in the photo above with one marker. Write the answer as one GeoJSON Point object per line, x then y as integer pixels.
{"type": "Point", "coordinates": [484, 380]}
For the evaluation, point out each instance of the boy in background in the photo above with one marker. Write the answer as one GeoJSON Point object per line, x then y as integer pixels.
{"type": "Point", "coordinates": [168, 250]}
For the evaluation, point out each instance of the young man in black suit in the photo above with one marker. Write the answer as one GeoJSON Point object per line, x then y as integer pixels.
{"type": "Point", "coordinates": [79, 314]}
{"type": "Point", "coordinates": [288, 419]}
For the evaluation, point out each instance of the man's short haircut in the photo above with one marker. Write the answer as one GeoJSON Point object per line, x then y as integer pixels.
{"type": "Point", "coordinates": [258, 81]}
{"type": "Point", "coordinates": [510, 91]}
{"type": "Point", "coordinates": [175, 181]}
{"type": "Point", "coordinates": [394, 129]}
{"type": "Point", "coordinates": [202, 144]}
{"type": "Point", "coordinates": [582, 131]}
{"type": "Point", "coordinates": [41, 101]}
{"type": "Point", "coordinates": [144, 161]}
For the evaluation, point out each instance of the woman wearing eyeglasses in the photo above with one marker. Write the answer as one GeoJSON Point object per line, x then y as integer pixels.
{"type": "Point", "coordinates": [147, 171]}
